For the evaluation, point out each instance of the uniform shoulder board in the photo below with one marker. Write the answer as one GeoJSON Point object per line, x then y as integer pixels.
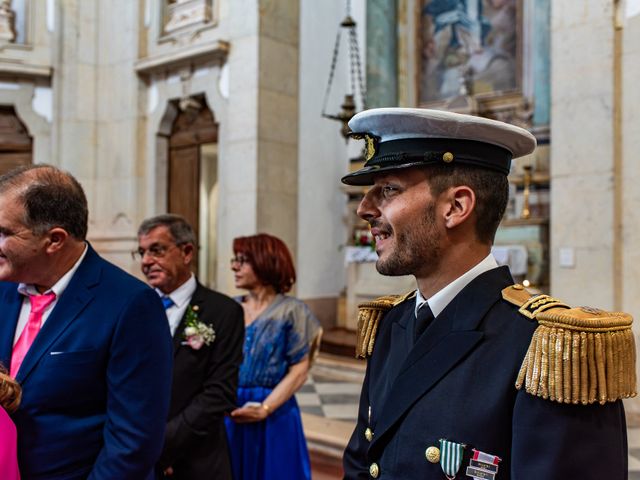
{"type": "Point", "coordinates": [577, 355]}
{"type": "Point", "coordinates": [369, 316]}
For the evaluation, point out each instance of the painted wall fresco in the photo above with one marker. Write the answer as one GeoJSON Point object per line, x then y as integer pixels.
{"type": "Point", "coordinates": [468, 44]}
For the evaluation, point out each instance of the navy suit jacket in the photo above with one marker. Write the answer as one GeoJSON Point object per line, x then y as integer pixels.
{"type": "Point", "coordinates": [96, 380]}
{"type": "Point", "coordinates": [458, 383]}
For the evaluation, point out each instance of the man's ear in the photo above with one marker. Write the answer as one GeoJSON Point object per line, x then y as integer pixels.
{"type": "Point", "coordinates": [187, 251]}
{"type": "Point", "coordinates": [461, 203]}
{"type": "Point", "coordinates": [56, 238]}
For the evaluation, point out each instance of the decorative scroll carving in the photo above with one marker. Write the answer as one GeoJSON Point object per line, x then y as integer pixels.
{"type": "Point", "coordinates": [7, 22]}
{"type": "Point", "coordinates": [185, 13]}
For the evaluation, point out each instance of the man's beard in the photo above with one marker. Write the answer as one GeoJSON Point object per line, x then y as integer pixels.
{"type": "Point", "coordinates": [415, 249]}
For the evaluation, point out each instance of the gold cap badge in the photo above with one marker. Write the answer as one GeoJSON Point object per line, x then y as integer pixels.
{"type": "Point", "coordinates": [369, 147]}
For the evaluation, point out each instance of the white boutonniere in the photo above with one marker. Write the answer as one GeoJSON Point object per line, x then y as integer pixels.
{"type": "Point", "coordinates": [197, 333]}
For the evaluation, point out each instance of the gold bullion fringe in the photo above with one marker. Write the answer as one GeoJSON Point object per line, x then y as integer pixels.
{"type": "Point", "coordinates": [369, 316]}
{"type": "Point", "coordinates": [580, 355]}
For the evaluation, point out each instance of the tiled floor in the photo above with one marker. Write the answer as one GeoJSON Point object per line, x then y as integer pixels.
{"type": "Point", "coordinates": [333, 390]}
{"type": "Point", "coordinates": [634, 453]}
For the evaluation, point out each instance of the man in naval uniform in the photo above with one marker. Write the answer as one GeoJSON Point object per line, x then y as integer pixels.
{"type": "Point", "coordinates": [470, 376]}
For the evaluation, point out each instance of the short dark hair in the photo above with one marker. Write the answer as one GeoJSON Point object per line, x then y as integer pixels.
{"type": "Point", "coordinates": [177, 225]}
{"type": "Point", "coordinates": [270, 259]}
{"type": "Point", "coordinates": [51, 198]}
{"type": "Point", "coordinates": [491, 189]}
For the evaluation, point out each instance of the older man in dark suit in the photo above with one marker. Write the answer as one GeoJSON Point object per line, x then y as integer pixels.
{"type": "Point", "coordinates": [470, 376]}
{"type": "Point", "coordinates": [86, 340]}
{"type": "Point", "coordinates": [208, 334]}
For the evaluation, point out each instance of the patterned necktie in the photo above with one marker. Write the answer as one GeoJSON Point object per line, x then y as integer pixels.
{"type": "Point", "coordinates": [31, 329]}
{"type": "Point", "coordinates": [167, 302]}
{"type": "Point", "coordinates": [424, 319]}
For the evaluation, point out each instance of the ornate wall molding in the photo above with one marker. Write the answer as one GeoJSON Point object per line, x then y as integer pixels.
{"type": "Point", "coordinates": [7, 22]}
{"type": "Point", "coordinates": [187, 13]}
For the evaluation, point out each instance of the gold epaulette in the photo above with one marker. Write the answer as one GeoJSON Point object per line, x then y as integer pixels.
{"type": "Point", "coordinates": [577, 355]}
{"type": "Point", "coordinates": [369, 316]}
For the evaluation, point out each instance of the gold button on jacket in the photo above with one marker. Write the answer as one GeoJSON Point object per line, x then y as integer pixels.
{"type": "Point", "coordinates": [433, 454]}
{"type": "Point", "coordinates": [374, 470]}
{"type": "Point", "coordinates": [368, 434]}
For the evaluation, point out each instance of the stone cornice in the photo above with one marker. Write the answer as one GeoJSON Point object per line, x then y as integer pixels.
{"type": "Point", "coordinates": [166, 61]}
{"type": "Point", "coordinates": [25, 70]}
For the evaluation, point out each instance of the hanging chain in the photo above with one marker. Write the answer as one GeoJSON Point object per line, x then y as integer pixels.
{"type": "Point", "coordinates": [354, 61]}
{"type": "Point", "coordinates": [331, 71]}
{"type": "Point", "coordinates": [355, 65]}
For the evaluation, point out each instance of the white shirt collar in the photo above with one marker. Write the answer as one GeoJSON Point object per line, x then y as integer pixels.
{"type": "Point", "coordinates": [183, 293]}
{"type": "Point", "coordinates": [60, 286]}
{"type": "Point", "coordinates": [439, 301]}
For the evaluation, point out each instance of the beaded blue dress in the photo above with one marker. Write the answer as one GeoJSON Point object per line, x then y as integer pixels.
{"type": "Point", "coordinates": [274, 448]}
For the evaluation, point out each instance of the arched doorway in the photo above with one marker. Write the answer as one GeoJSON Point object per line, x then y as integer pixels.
{"type": "Point", "coordinates": [192, 177]}
{"type": "Point", "coordinates": [16, 144]}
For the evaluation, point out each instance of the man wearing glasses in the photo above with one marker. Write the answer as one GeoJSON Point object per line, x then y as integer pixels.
{"type": "Point", "coordinates": [208, 333]}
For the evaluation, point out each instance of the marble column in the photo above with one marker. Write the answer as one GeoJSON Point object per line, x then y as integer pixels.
{"type": "Point", "coordinates": [582, 163]}
{"type": "Point", "coordinates": [382, 53]}
{"type": "Point", "coordinates": [541, 48]}
{"type": "Point", "coordinates": [260, 167]}
{"type": "Point", "coordinates": [96, 108]}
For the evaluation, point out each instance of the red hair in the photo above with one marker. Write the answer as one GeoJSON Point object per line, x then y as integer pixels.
{"type": "Point", "coordinates": [270, 259]}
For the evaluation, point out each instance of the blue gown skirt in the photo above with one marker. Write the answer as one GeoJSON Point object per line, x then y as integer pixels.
{"type": "Point", "coordinates": [274, 449]}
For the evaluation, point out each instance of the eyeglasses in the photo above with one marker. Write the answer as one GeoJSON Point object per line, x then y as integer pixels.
{"type": "Point", "coordinates": [154, 251]}
{"type": "Point", "coordinates": [239, 260]}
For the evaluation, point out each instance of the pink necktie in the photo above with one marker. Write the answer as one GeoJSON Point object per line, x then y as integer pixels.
{"type": "Point", "coordinates": [31, 329]}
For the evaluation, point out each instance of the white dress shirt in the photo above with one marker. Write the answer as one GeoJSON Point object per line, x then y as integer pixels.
{"type": "Point", "coordinates": [439, 301]}
{"type": "Point", "coordinates": [58, 288]}
{"type": "Point", "coordinates": [181, 297]}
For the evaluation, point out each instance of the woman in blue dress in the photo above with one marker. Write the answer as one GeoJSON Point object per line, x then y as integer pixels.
{"type": "Point", "coordinates": [266, 439]}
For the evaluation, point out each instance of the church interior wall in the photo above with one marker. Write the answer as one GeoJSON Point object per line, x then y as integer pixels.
{"type": "Point", "coordinates": [596, 228]}
{"type": "Point", "coordinates": [323, 156]}
{"type": "Point", "coordinates": [582, 170]}
{"type": "Point", "coordinates": [96, 116]}
{"type": "Point", "coordinates": [631, 169]}
{"type": "Point", "coordinates": [630, 175]}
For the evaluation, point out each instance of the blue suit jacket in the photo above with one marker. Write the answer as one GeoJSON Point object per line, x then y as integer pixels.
{"type": "Point", "coordinates": [458, 383]}
{"type": "Point", "coordinates": [96, 380]}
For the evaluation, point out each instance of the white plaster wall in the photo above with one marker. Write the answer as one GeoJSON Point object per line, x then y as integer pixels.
{"type": "Point", "coordinates": [323, 153]}
{"type": "Point", "coordinates": [582, 197]}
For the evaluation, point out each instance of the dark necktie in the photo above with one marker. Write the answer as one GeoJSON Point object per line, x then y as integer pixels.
{"type": "Point", "coordinates": [424, 319]}
{"type": "Point", "coordinates": [167, 302]}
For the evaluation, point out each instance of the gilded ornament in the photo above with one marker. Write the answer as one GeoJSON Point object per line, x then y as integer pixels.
{"type": "Point", "coordinates": [369, 316]}
{"type": "Point", "coordinates": [577, 355]}
{"type": "Point", "coordinates": [369, 148]}
{"type": "Point", "coordinates": [447, 157]}
{"type": "Point", "coordinates": [374, 470]}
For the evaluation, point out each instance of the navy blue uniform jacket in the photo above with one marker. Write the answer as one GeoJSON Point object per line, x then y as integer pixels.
{"type": "Point", "coordinates": [457, 383]}
{"type": "Point", "coordinates": [96, 380]}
